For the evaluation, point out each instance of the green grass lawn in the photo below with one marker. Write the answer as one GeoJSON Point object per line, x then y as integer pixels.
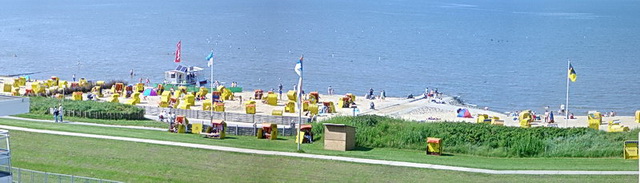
{"type": "Point", "coordinates": [147, 123]}
{"type": "Point", "coordinates": [287, 144]}
{"type": "Point", "coordinates": [140, 162]}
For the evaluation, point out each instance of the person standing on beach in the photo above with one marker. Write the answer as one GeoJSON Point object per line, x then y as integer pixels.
{"type": "Point", "coordinates": [371, 93]}
{"type": "Point", "coordinates": [426, 92]}
{"type": "Point", "coordinates": [330, 90]}
{"type": "Point", "coordinates": [74, 77]}
{"type": "Point", "coordinates": [383, 94]}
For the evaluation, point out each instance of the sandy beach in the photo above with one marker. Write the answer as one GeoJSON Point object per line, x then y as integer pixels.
{"type": "Point", "coordinates": [418, 109]}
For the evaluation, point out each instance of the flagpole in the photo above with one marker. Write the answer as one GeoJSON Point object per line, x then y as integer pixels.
{"type": "Point", "coordinates": [299, 113]}
{"type": "Point", "coordinates": [211, 87]}
{"type": "Point", "coordinates": [299, 105]}
{"type": "Point", "coordinates": [566, 109]}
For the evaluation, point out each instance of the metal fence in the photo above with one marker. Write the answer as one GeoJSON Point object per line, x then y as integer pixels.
{"type": "Point", "coordinates": [27, 176]}
{"type": "Point", "coordinates": [227, 116]}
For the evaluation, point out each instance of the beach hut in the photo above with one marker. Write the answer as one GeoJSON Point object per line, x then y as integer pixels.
{"type": "Point", "coordinates": [483, 118]}
{"type": "Point", "coordinates": [77, 96]}
{"type": "Point", "coordinates": [114, 98]}
{"type": "Point", "coordinates": [258, 94]}
{"type": "Point", "coordinates": [217, 130]}
{"type": "Point", "coordinates": [290, 107]}
{"type": "Point", "coordinates": [464, 113]}
{"type": "Point", "coordinates": [268, 131]}
{"type": "Point", "coordinates": [305, 135]}
{"type": "Point", "coordinates": [139, 87]}
{"type": "Point", "coordinates": [615, 126]}
{"type": "Point", "coordinates": [525, 119]}
{"type": "Point", "coordinates": [150, 92]}
{"type": "Point", "coordinates": [595, 120]}
{"type": "Point", "coordinates": [135, 99]}
{"type": "Point", "coordinates": [292, 95]}
{"type": "Point", "coordinates": [271, 99]}
{"type": "Point", "coordinates": [218, 106]}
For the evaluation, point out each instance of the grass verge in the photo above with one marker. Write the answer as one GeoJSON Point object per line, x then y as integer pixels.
{"type": "Point", "coordinates": [140, 162]}
{"type": "Point", "coordinates": [287, 144]}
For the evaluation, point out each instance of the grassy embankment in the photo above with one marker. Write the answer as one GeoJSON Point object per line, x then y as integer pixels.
{"type": "Point", "coordinates": [139, 162]}
{"type": "Point", "coordinates": [484, 139]}
{"type": "Point", "coordinates": [408, 155]}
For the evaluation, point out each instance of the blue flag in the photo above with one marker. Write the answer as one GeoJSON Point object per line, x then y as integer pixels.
{"type": "Point", "coordinates": [298, 67]}
{"type": "Point", "coordinates": [210, 59]}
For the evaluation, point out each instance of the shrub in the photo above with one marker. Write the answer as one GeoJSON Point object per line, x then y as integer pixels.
{"type": "Point", "coordinates": [89, 109]}
{"type": "Point", "coordinates": [483, 139]}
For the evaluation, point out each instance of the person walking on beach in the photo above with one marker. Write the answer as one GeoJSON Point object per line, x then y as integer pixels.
{"type": "Point", "coordinates": [330, 90]}
{"type": "Point", "coordinates": [383, 94]}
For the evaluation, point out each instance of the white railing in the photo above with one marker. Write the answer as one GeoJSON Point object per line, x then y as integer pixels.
{"type": "Point", "coordinates": [27, 176]}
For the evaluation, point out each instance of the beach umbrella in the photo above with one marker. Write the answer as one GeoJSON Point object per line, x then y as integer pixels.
{"type": "Point", "coordinates": [150, 92]}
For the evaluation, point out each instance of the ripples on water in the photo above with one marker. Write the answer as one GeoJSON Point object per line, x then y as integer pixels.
{"type": "Point", "coordinates": [506, 55]}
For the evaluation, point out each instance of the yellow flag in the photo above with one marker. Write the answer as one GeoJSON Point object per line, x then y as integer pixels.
{"type": "Point", "coordinates": [572, 74]}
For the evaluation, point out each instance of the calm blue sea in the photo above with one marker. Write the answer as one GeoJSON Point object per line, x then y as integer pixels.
{"type": "Point", "coordinates": [508, 55]}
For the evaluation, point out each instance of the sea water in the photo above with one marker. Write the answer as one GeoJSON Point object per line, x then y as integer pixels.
{"type": "Point", "coordinates": [507, 55]}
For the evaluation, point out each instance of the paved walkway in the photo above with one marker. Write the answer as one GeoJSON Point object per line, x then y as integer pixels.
{"type": "Point", "coordinates": [325, 157]}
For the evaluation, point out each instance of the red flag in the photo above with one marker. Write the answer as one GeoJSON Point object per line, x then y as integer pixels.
{"type": "Point", "coordinates": [177, 60]}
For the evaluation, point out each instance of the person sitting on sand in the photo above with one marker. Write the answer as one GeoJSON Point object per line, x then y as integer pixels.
{"type": "Point", "coordinates": [571, 116]}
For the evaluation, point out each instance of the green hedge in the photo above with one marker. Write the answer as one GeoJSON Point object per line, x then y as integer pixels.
{"type": "Point", "coordinates": [484, 139]}
{"type": "Point", "coordinates": [88, 109]}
